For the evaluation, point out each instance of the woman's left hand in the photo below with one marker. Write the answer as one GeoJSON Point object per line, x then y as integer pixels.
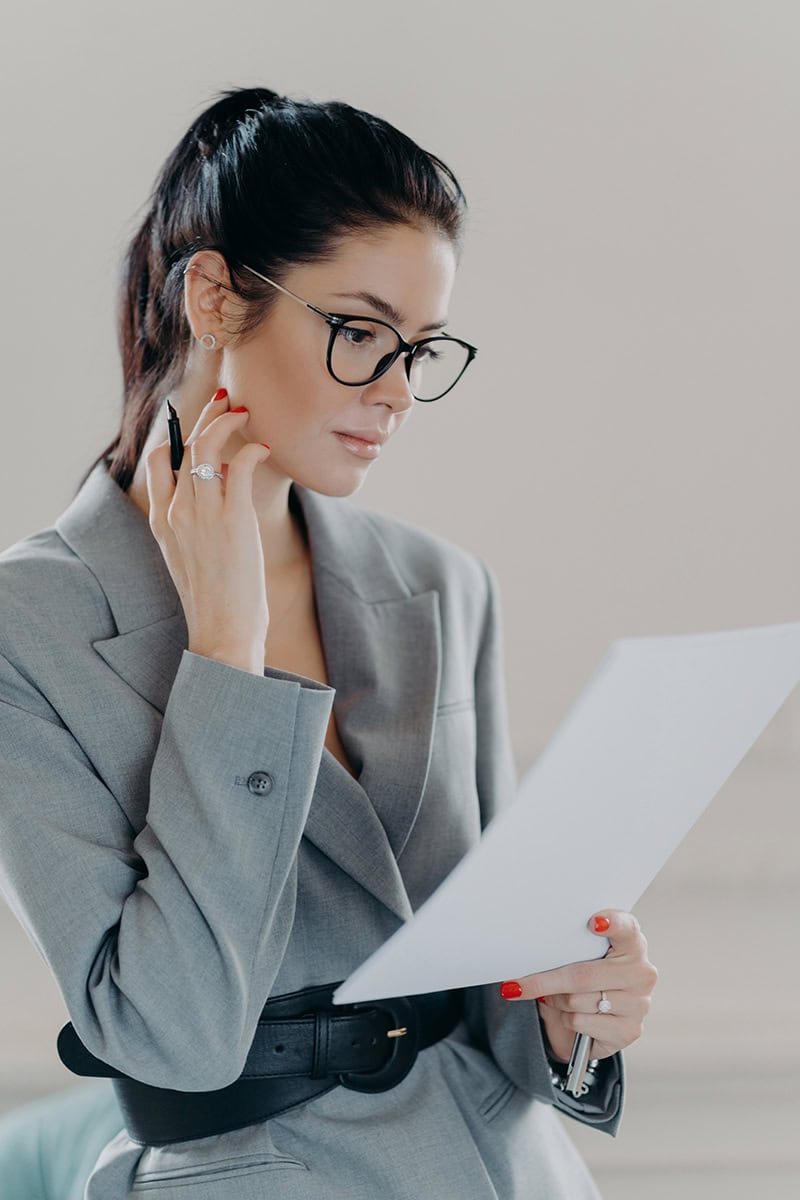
{"type": "Point", "coordinates": [568, 996]}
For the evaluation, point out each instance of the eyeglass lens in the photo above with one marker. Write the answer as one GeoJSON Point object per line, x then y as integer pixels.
{"type": "Point", "coordinates": [361, 348]}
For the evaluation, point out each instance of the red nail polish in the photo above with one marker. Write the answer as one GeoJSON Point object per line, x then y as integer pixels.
{"type": "Point", "coordinates": [601, 924]}
{"type": "Point", "coordinates": [540, 999]}
{"type": "Point", "coordinates": [241, 408]}
{"type": "Point", "coordinates": [265, 444]}
{"type": "Point", "coordinates": [510, 990]}
{"type": "Point", "coordinates": [220, 394]}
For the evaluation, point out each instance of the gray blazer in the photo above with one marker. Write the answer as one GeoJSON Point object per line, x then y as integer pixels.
{"type": "Point", "coordinates": [170, 895]}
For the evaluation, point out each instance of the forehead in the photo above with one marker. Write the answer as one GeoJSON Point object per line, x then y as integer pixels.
{"type": "Point", "coordinates": [411, 269]}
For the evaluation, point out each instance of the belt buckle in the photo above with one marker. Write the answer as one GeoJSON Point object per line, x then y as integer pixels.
{"type": "Point", "coordinates": [404, 1040]}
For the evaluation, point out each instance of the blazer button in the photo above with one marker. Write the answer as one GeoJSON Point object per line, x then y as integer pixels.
{"type": "Point", "coordinates": [260, 783]}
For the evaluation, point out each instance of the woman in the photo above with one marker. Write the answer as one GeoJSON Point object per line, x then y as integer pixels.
{"type": "Point", "coordinates": [252, 727]}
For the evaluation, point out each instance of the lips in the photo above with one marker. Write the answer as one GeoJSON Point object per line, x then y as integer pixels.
{"type": "Point", "coordinates": [366, 444]}
{"type": "Point", "coordinates": [376, 436]}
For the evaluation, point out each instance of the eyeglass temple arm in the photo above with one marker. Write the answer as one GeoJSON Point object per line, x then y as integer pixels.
{"type": "Point", "coordinates": [286, 292]}
{"type": "Point", "coordinates": [328, 317]}
{"type": "Point", "coordinates": [280, 288]}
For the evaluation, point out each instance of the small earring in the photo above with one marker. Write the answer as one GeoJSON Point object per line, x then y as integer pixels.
{"type": "Point", "coordinates": [208, 340]}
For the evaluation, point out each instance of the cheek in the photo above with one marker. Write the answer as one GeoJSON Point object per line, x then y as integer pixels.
{"type": "Point", "coordinates": [275, 368]}
{"type": "Point", "coordinates": [286, 387]}
{"type": "Point", "coordinates": [298, 415]}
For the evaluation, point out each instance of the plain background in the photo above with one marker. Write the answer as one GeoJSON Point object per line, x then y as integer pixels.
{"type": "Point", "coordinates": [624, 451]}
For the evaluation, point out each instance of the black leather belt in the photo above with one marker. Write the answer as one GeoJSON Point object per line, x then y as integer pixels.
{"type": "Point", "coordinates": [303, 1046]}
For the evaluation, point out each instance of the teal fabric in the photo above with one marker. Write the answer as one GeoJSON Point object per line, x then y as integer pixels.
{"type": "Point", "coordinates": [49, 1146]}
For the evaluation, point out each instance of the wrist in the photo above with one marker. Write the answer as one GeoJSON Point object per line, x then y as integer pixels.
{"type": "Point", "coordinates": [243, 660]}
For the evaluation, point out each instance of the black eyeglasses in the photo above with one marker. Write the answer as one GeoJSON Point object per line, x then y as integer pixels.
{"type": "Point", "coordinates": [361, 349]}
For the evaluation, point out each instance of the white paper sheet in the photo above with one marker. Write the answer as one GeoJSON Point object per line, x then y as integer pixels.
{"type": "Point", "coordinates": [659, 727]}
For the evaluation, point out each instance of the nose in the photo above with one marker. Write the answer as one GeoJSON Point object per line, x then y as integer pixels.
{"type": "Point", "coordinates": [392, 389]}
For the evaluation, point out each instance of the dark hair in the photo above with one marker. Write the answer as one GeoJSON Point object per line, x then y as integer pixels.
{"type": "Point", "coordinates": [268, 181]}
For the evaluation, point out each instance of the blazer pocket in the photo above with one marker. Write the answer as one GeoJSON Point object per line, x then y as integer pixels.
{"type": "Point", "coordinates": [497, 1100]}
{"type": "Point", "coordinates": [224, 1168]}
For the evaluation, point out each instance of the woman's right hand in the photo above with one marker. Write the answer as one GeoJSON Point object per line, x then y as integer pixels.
{"type": "Point", "coordinates": [208, 533]}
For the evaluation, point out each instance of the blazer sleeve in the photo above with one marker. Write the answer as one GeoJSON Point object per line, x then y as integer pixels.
{"type": "Point", "coordinates": [513, 1033]}
{"type": "Point", "coordinates": [164, 941]}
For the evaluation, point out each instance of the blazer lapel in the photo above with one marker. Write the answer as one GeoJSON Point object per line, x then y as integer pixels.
{"type": "Point", "coordinates": [148, 659]}
{"type": "Point", "coordinates": [106, 529]}
{"type": "Point", "coordinates": [385, 725]}
{"type": "Point", "coordinates": [343, 824]}
{"type": "Point", "coordinates": [382, 648]}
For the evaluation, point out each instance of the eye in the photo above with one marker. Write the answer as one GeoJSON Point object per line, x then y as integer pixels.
{"type": "Point", "coordinates": [427, 353]}
{"type": "Point", "coordinates": [356, 335]}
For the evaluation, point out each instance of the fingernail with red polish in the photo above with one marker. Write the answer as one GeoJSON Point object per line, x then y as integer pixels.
{"type": "Point", "coordinates": [241, 408]}
{"type": "Point", "coordinates": [540, 999]}
{"type": "Point", "coordinates": [265, 444]}
{"type": "Point", "coordinates": [220, 394]}
{"type": "Point", "coordinates": [510, 990]}
{"type": "Point", "coordinates": [601, 924]}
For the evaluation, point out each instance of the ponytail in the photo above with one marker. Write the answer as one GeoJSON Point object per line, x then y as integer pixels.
{"type": "Point", "coordinates": [264, 180]}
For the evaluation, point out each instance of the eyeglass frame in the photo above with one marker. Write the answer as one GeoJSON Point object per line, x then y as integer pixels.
{"type": "Point", "coordinates": [337, 320]}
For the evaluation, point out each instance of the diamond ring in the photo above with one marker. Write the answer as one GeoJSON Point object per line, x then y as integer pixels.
{"type": "Point", "coordinates": [604, 1004]}
{"type": "Point", "coordinates": [206, 471]}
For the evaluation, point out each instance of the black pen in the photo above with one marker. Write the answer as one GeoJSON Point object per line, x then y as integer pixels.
{"type": "Point", "coordinates": [175, 438]}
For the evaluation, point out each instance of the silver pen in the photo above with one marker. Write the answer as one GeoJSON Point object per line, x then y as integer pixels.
{"type": "Point", "coordinates": [578, 1062]}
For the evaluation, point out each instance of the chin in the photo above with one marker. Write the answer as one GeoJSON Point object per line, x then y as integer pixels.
{"type": "Point", "coordinates": [331, 482]}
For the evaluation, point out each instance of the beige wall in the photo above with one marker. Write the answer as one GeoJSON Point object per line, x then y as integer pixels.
{"type": "Point", "coordinates": [624, 451]}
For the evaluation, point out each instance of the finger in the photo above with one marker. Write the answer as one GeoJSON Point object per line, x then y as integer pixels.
{"type": "Point", "coordinates": [585, 1002]}
{"type": "Point", "coordinates": [572, 978]}
{"type": "Point", "coordinates": [216, 405]}
{"type": "Point", "coordinates": [593, 975]}
{"type": "Point", "coordinates": [207, 447]}
{"type": "Point", "coordinates": [612, 1031]}
{"type": "Point", "coordinates": [160, 482]}
{"type": "Point", "coordinates": [184, 489]}
{"type": "Point", "coordinates": [621, 929]}
{"type": "Point", "coordinates": [241, 468]}
{"type": "Point", "coordinates": [623, 1004]}
{"type": "Point", "coordinates": [215, 430]}
{"type": "Point", "coordinates": [628, 945]}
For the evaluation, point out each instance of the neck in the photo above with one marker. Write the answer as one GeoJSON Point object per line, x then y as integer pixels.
{"type": "Point", "coordinates": [282, 539]}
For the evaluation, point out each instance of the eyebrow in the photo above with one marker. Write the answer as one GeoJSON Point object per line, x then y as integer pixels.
{"type": "Point", "coordinates": [385, 308]}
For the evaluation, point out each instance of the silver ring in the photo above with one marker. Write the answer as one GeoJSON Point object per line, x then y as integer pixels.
{"type": "Point", "coordinates": [604, 1004]}
{"type": "Point", "coordinates": [206, 471]}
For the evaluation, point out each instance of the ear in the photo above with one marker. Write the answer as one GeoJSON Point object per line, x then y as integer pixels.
{"type": "Point", "coordinates": [210, 303]}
